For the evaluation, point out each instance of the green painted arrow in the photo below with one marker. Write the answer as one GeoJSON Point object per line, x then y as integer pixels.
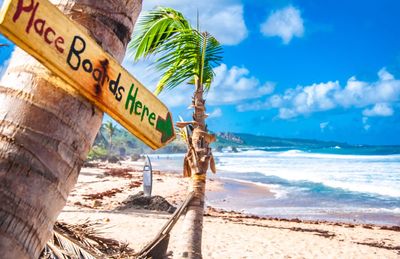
{"type": "Point", "coordinates": [166, 128]}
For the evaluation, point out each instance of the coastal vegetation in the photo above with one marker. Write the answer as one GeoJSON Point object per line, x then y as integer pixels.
{"type": "Point", "coordinates": [127, 146]}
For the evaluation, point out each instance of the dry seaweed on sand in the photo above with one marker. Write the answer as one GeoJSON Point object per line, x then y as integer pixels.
{"type": "Point", "coordinates": [140, 201]}
{"type": "Point", "coordinates": [101, 195]}
{"type": "Point", "coordinates": [120, 172]}
{"type": "Point", "coordinates": [83, 241]}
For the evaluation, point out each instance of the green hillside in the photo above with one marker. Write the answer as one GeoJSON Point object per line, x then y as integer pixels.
{"type": "Point", "coordinates": [126, 145]}
{"type": "Point", "coordinates": [249, 140]}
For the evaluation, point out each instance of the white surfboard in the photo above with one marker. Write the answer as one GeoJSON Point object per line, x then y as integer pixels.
{"type": "Point", "coordinates": [147, 177]}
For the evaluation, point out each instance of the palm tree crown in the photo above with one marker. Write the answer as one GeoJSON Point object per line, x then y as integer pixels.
{"type": "Point", "coordinates": [110, 128]}
{"type": "Point", "coordinates": [184, 54]}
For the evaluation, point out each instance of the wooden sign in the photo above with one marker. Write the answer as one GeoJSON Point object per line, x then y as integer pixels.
{"type": "Point", "coordinates": [42, 30]}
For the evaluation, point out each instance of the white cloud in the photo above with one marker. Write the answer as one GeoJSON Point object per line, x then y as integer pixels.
{"type": "Point", "coordinates": [304, 100]}
{"type": "Point", "coordinates": [215, 113]}
{"type": "Point", "coordinates": [366, 126]}
{"type": "Point", "coordinates": [227, 25]}
{"type": "Point", "coordinates": [379, 109]}
{"type": "Point", "coordinates": [224, 19]}
{"type": "Point", "coordinates": [232, 85]}
{"type": "Point", "coordinates": [323, 125]}
{"type": "Point", "coordinates": [285, 23]}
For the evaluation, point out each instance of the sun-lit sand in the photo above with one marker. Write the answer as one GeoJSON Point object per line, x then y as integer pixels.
{"type": "Point", "coordinates": [225, 234]}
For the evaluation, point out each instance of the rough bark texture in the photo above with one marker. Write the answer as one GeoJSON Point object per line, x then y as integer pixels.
{"type": "Point", "coordinates": [198, 159]}
{"type": "Point", "coordinates": [46, 132]}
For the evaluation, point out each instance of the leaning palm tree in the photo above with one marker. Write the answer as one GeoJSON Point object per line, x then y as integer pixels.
{"type": "Point", "coordinates": [46, 132]}
{"type": "Point", "coordinates": [110, 128]}
{"type": "Point", "coordinates": [184, 55]}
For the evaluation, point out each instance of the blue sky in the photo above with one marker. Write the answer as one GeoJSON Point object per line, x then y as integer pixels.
{"type": "Point", "coordinates": [326, 70]}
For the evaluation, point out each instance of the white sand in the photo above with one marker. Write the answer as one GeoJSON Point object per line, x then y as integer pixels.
{"type": "Point", "coordinates": [225, 235]}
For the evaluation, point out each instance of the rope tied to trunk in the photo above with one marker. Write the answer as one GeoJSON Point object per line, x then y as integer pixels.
{"type": "Point", "coordinates": [158, 246]}
{"type": "Point", "coordinates": [199, 177]}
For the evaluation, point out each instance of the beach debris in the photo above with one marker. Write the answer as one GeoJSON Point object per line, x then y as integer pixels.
{"type": "Point", "coordinates": [113, 159]}
{"type": "Point", "coordinates": [120, 172]}
{"type": "Point", "coordinates": [91, 164]}
{"type": "Point", "coordinates": [83, 241]}
{"type": "Point", "coordinates": [101, 195]}
{"type": "Point", "coordinates": [134, 184]}
{"type": "Point", "coordinates": [380, 245]}
{"type": "Point", "coordinates": [136, 157]}
{"type": "Point", "coordinates": [140, 201]}
{"type": "Point", "coordinates": [97, 203]}
{"type": "Point", "coordinates": [318, 232]}
{"type": "Point", "coordinates": [393, 228]}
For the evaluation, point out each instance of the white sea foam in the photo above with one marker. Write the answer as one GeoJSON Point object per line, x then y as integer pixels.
{"type": "Point", "coordinates": [293, 152]}
{"type": "Point", "coordinates": [367, 174]}
{"type": "Point", "coordinates": [278, 191]}
{"type": "Point", "coordinates": [290, 211]}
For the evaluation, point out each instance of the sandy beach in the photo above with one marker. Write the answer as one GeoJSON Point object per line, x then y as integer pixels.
{"type": "Point", "coordinates": [101, 189]}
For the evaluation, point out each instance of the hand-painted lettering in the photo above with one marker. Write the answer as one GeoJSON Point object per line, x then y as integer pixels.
{"type": "Point", "coordinates": [145, 111]}
{"type": "Point", "coordinates": [131, 98]}
{"type": "Point", "coordinates": [74, 51]}
{"type": "Point", "coordinates": [116, 89]}
{"type": "Point", "coordinates": [119, 95]}
{"type": "Point", "coordinates": [38, 24]}
{"type": "Point", "coordinates": [134, 105]}
{"type": "Point", "coordinates": [46, 35]}
{"type": "Point", "coordinates": [59, 43]}
{"type": "Point", "coordinates": [138, 106]}
{"type": "Point", "coordinates": [39, 28]}
{"type": "Point", "coordinates": [87, 66]}
{"type": "Point", "coordinates": [113, 86]}
{"type": "Point", "coordinates": [32, 18]}
{"type": "Point", "coordinates": [21, 8]}
{"type": "Point", "coordinates": [152, 118]}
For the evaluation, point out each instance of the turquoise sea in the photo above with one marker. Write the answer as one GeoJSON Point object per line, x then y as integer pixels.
{"type": "Point", "coordinates": [349, 184]}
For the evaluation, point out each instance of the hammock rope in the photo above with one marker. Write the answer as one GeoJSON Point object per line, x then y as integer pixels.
{"type": "Point", "coordinates": [158, 246]}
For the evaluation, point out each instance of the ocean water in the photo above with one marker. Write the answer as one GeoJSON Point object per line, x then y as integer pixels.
{"type": "Point", "coordinates": [357, 185]}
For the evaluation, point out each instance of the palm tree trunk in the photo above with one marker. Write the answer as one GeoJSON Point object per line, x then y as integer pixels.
{"type": "Point", "coordinates": [46, 132]}
{"type": "Point", "coordinates": [110, 146]}
{"type": "Point", "coordinates": [193, 222]}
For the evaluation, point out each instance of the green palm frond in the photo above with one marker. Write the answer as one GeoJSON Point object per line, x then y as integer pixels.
{"type": "Point", "coordinates": [212, 58]}
{"type": "Point", "coordinates": [154, 28]}
{"type": "Point", "coordinates": [182, 53]}
{"type": "Point", "coordinates": [110, 128]}
{"type": "Point", "coordinates": [192, 55]}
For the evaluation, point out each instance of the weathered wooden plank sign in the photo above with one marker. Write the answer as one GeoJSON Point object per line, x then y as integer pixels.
{"type": "Point", "coordinates": [42, 30]}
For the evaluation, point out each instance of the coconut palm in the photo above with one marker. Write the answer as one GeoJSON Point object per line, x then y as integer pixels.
{"type": "Point", "coordinates": [46, 132]}
{"type": "Point", "coordinates": [110, 128]}
{"type": "Point", "coordinates": [184, 55]}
